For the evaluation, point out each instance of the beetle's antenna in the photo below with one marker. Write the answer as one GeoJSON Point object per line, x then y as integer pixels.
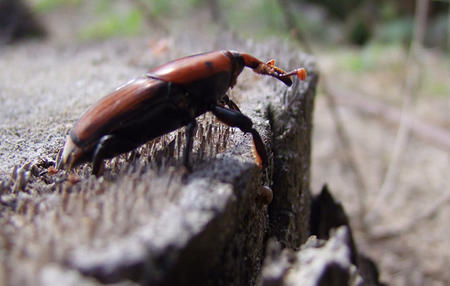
{"type": "Point", "coordinates": [269, 68]}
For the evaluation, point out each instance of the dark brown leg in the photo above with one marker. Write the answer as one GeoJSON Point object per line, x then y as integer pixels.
{"type": "Point", "coordinates": [190, 132]}
{"type": "Point", "coordinates": [107, 147]}
{"type": "Point", "coordinates": [231, 103]}
{"type": "Point", "coordinates": [99, 154]}
{"type": "Point", "coordinates": [235, 118]}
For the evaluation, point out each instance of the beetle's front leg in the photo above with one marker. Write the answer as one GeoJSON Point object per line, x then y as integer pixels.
{"type": "Point", "coordinates": [190, 132]}
{"type": "Point", "coordinates": [235, 118]}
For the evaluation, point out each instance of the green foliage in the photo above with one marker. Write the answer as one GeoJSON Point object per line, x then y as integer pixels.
{"type": "Point", "coordinates": [114, 24]}
{"type": "Point", "coordinates": [389, 11]}
{"type": "Point", "coordinates": [159, 8]}
{"type": "Point", "coordinates": [260, 18]}
{"type": "Point", "coordinates": [340, 9]}
{"type": "Point", "coordinates": [370, 58]}
{"type": "Point", "coordinates": [351, 61]}
{"type": "Point", "coordinates": [399, 30]}
{"type": "Point", "coordinates": [49, 5]}
{"type": "Point", "coordinates": [436, 87]}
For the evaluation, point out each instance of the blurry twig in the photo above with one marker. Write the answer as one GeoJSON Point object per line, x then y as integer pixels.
{"type": "Point", "coordinates": [390, 115]}
{"type": "Point", "coordinates": [216, 14]}
{"type": "Point", "coordinates": [342, 133]}
{"type": "Point", "coordinates": [413, 222]}
{"type": "Point", "coordinates": [411, 85]}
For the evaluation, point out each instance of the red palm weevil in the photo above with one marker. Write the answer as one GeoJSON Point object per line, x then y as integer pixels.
{"type": "Point", "coordinates": [166, 98]}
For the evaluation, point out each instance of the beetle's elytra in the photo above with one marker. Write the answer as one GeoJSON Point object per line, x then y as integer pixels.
{"type": "Point", "coordinates": [166, 98]}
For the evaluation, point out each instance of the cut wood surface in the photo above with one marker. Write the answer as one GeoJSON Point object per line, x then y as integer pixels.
{"type": "Point", "coordinates": [146, 220]}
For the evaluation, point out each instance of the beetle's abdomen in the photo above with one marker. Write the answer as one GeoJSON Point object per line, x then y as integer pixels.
{"type": "Point", "coordinates": [109, 112]}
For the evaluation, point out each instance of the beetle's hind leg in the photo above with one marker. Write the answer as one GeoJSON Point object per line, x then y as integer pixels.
{"type": "Point", "coordinates": [100, 153]}
{"type": "Point", "coordinates": [235, 118]}
{"type": "Point", "coordinates": [107, 147]}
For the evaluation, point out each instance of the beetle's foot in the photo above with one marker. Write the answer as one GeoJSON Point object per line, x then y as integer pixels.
{"type": "Point", "coordinates": [264, 195]}
{"type": "Point", "coordinates": [98, 169]}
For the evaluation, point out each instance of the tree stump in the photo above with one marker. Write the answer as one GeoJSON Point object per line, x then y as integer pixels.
{"type": "Point", "coordinates": [147, 221]}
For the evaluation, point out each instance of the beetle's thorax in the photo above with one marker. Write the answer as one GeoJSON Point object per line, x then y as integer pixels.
{"type": "Point", "coordinates": [238, 65]}
{"type": "Point", "coordinates": [207, 76]}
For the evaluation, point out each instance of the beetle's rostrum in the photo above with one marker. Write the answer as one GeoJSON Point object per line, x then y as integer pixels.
{"type": "Point", "coordinates": [168, 97]}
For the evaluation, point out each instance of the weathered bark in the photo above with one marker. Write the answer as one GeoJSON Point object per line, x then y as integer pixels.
{"type": "Point", "coordinates": [291, 123]}
{"type": "Point", "coordinates": [329, 257]}
{"type": "Point", "coordinates": [317, 263]}
{"type": "Point", "coordinates": [146, 221]}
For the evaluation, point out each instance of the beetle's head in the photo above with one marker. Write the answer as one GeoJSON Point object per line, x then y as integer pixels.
{"type": "Point", "coordinates": [69, 156]}
{"type": "Point", "coordinates": [269, 68]}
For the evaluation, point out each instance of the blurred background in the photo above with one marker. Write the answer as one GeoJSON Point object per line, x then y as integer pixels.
{"type": "Point", "coordinates": [382, 124]}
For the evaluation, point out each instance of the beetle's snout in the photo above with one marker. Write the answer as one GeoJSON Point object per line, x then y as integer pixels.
{"type": "Point", "coordinates": [269, 68]}
{"type": "Point", "coordinates": [69, 156]}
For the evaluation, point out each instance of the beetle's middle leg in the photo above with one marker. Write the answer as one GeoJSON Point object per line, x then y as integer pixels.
{"type": "Point", "coordinates": [190, 132]}
{"type": "Point", "coordinates": [230, 103]}
{"type": "Point", "coordinates": [235, 118]}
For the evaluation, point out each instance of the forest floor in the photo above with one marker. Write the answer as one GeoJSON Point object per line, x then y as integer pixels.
{"type": "Point", "coordinates": [402, 222]}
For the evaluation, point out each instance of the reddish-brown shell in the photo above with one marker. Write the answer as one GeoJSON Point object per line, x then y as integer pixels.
{"type": "Point", "coordinates": [193, 68]}
{"type": "Point", "coordinates": [103, 115]}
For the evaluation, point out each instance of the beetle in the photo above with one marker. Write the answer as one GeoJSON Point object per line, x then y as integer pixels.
{"type": "Point", "coordinates": [166, 98]}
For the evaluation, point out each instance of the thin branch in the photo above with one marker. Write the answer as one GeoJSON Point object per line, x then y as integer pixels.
{"type": "Point", "coordinates": [439, 137]}
{"type": "Point", "coordinates": [412, 223]}
{"type": "Point", "coordinates": [411, 85]}
{"type": "Point", "coordinates": [216, 12]}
